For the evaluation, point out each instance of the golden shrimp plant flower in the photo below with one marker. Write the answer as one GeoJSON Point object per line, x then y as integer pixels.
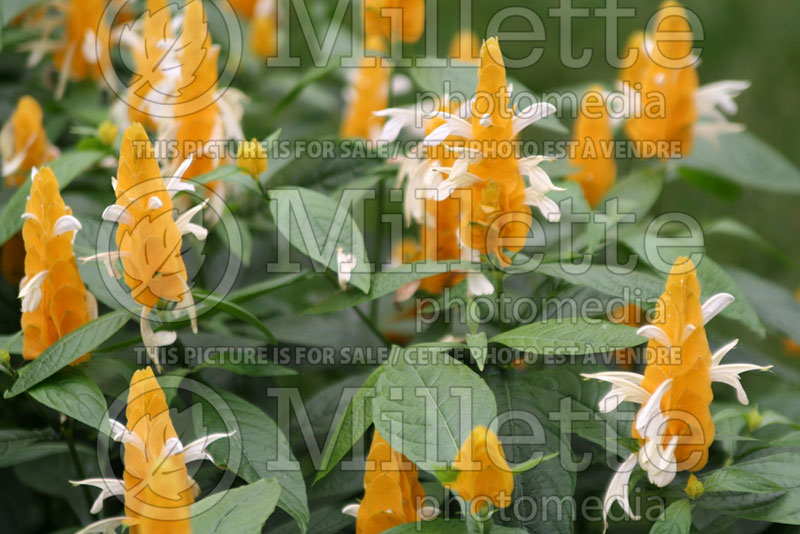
{"type": "Point", "coordinates": [23, 146]}
{"type": "Point", "coordinates": [367, 93]}
{"type": "Point", "coordinates": [593, 136]}
{"type": "Point", "coordinates": [665, 68]}
{"type": "Point", "coordinates": [393, 495]}
{"type": "Point", "coordinates": [156, 486]}
{"type": "Point", "coordinates": [486, 172]}
{"type": "Point", "coordinates": [148, 239]}
{"type": "Point", "coordinates": [381, 19]}
{"type": "Point", "coordinates": [201, 115]}
{"type": "Point", "coordinates": [23, 142]}
{"type": "Point", "coordinates": [54, 299]}
{"type": "Point", "coordinates": [484, 476]}
{"type": "Point", "coordinates": [673, 424]}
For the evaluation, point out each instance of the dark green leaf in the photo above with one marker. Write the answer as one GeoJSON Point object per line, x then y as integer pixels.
{"type": "Point", "coordinates": [238, 511]}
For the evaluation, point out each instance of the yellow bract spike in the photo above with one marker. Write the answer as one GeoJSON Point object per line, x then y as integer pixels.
{"type": "Point", "coordinates": [484, 475]}
{"type": "Point", "coordinates": [158, 490]}
{"type": "Point", "coordinates": [148, 240]}
{"type": "Point", "coordinates": [53, 295]}
{"type": "Point", "coordinates": [687, 361]}
{"type": "Point", "coordinates": [593, 147]}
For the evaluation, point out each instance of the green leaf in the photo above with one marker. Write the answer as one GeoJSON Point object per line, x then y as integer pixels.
{"type": "Point", "coordinates": [68, 349]}
{"type": "Point", "coordinates": [529, 435]}
{"type": "Point", "coordinates": [776, 305]}
{"type": "Point", "coordinates": [9, 9]}
{"type": "Point", "coordinates": [261, 288]}
{"type": "Point", "coordinates": [67, 167]}
{"type": "Point", "coordinates": [309, 77]}
{"type": "Point", "coordinates": [447, 526]}
{"type": "Point", "coordinates": [238, 511]}
{"type": "Point", "coordinates": [211, 301]}
{"type": "Point", "coordinates": [478, 348]}
{"type": "Point", "coordinates": [318, 226]}
{"type": "Point", "coordinates": [13, 440]}
{"type": "Point", "coordinates": [676, 519]}
{"type": "Point", "coordinates": [231, 174]}
{"type": "Point", "coordinates": [745, 159]}
{"type": "Point", "coordinates": [763, 489]}
{"type": "Point", "coordinates": [264, 450]}
{"type": "Point", "coordinates": [573, 337]}
{"type": "Point", "coordinates": [384, 283]}
{"type": "Point", "coordinates": [601, 278]}
{"type": "Point", "coordinates": [428, 403]}
{"type": "Point", "coordinates": [741, 232]}
{"type": "Point", "coordinates": [352, 425]}
{"type": "Point", "coordinates": [73, 393]}
{"type": "Point", "coordinates": [243, 365]}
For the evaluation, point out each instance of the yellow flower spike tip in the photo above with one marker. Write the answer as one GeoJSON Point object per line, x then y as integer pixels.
{"type": "Point", "coordinates": [54, 299]}
{"type": "Point", "coordinates": [381, 15]}
{"type": "Point", "coordinates": [156, 485]}
{"type": "Point", "coordinates": [593, 155]}
{"type": "Point", "coordinates": [670, 77]}
{"type": "Point", "coordinates": [674, 423]}
{"type": "Point", "coordinates": [148, 239]}
{"type": "Point", "coordinates": [368, 93]}
{"type": "Point", "coordinates": [252, 158]}
{"type": "Point", "coordinates": [633, 74]}
{"type": "Point", "coordinates": [85, 45]}
{"type": "Point", "coordinates": [150, 68]}
{"type": "Point", "coordinates": [694, 488]}
{"type": "Point", "coordinates": [393, 495]}
{"type": "Point", "coordinates": [264, 29]}
{"type": "Point", "coordinates": [197, 112]}
{"type": "Point", "coordinates": [23, 142]}
{"type": "Point", "coordinates": [484, 476]}
{"type": "Point", "coordinates": [464, 47]}
{"type": "Point", "coordinates": [23, 146]}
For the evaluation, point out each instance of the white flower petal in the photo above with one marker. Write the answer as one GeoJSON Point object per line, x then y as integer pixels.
{"type": "Point", "coordinates": [154, 203]}
{"type": "Point", "coordinates": [196, 450]}
{"type": "Point", "coordinates": [351, 510]}
{"type": "Point", "coordinates": [651, 331]}
{"type": "Point", "coordinates": [153, 340]}
{"type": "Point", "coordinates": [626, 387]}
{"type": "Point", "coordinates": [729, 374]}
{"type": "Point", "coordinates": [531, 114]}
{"type": "Point", "coordinates": [478, 284]}
{"type": "Point", "coordinates": [108, 486]}
{"type": "Point", "coordinates": [618, 490]}
{"type": "Point", "coordinates": [649, 418]}
{"type": "Point", "coordinates": [121, 434]}
{"type": "Point", "coordinates": [715, 304]}
{"type": "Point", "coordinates": [716, 358]}
{"type": "Point", "coordinates": [185, 226]}
{"type": "Point", "coordinates": [31, 291]}
{"type": "Point", "coordinates": [346, 262]}
{"type": "Point", "coordinates": [659, 463]}
{"type": "Point", "coordinates": [66, 223]}
{"type": "Point", "coordinates": [454, 181]}
{"type": "Point", "coordinates": [117, 213]}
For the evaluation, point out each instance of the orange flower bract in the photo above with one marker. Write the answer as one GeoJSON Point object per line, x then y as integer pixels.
{"type": "Point", "coordinates": [687, 362]}
{"type": "Point", "coordinates": [382, 16]}
{"type": "Point", "coordinates": [158, 490]}
{"type": "Point", "coordinates": [593, 137]}
{"type": "Point", "coordinates": [368, 93]}
{"type": "Point", "coordinates": [671, 76]}
{"type": "Point", "coordinates": [149, 241]}
{"type": "Point", "coordinates": [484, 475]}
{"type": "Point", "coordinates": [392, 493]}
{"type": "Point", "coordinates": [54, 297]}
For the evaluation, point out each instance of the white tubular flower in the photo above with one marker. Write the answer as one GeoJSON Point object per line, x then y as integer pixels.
{"type": "Point", "coordinates": [152, 340]}
{"type": "Point", "coordinates": [109, 487]}
{"type": "Point", "coordinates": [453, 125]}
{"type": "Point", "coordinates": [531, 114]}
{"type": "Point", "coordinates": [477, 283]}
{"type": "Point", "coordinates": [186, 226]}
{"type": "Point", "coordinates": [121, 434]}
{"type": "Point", "coordinates": [106, 526]}
{"type": "Point", "coordinates": [195, 450]}
{"type": "Point", "coordinates": [729, 373]}
{"type": "Point", "coordinates": [716, 101]}
{"type": "Point", "coordinates": [108, 259]}
{"type": "Point", "coordinates": [624, 387]}
{"type": "Point", "coordinates": [397, 119]}
{"type": "Point", "coordinates": [618, 490]}
{"type": "Point", "coordinates": [346, 262]}
{"type": "Point", "coordinates": [31, 291]}
{"type": "Point", "coordinates": [658, 462]}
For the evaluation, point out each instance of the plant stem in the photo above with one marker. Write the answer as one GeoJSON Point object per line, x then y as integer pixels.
{"type": "Point", "coordinates": [377, 253]}
{"type": "Point", "coordinates": [366, 320]}
{"type": "Point", "coordinates": [69, 434]}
